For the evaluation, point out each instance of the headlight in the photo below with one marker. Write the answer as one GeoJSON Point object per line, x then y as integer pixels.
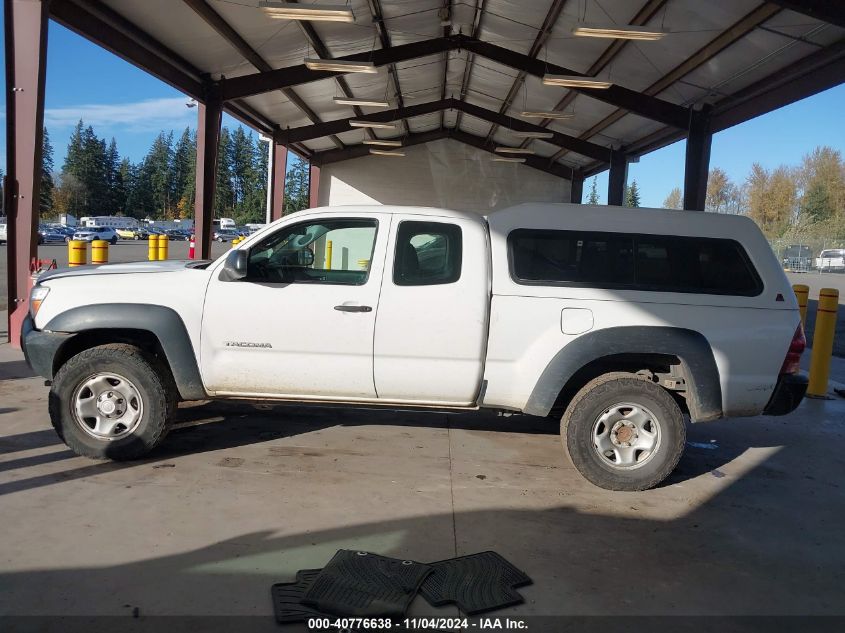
{"type": "Point", "coordinates": [36, 298]}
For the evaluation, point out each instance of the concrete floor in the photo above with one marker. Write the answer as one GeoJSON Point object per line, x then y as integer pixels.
{"type": "Point", "coordinates": [240, 497]}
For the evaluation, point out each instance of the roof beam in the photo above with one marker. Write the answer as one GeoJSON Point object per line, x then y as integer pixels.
{"type": "Point", "coordinates": [642, 17]}
{"type": "Point", "coordinates": [825, 10]}
{"type": "Point", "coordinates": [233, 38]}
{"type": "Point", "coordinates": [480, 7]}
{"type": "Point", "coordinates": [735, 32]}
{"type": "Point", "coordinates": [384, 37]}
{"type": "Point", "coordinates": [585, 148]}
{"type": "Point", "coordinates": [644, 105]}
{"type": "Point", "coordinates": [545, 30]}
{"type": "Point", "coordinates": [357, 151]}
{"type": "Point", "coordinates": [447, 31]}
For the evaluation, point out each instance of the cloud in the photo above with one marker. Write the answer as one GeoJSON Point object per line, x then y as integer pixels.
{"type": "Point", "coordinates": [150, 115]}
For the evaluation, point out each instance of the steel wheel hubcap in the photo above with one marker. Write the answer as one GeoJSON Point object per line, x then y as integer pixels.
{"type": "Point", "coordinates": [626, 435]}
{"type": "Point", "coordinates": [107, 406]}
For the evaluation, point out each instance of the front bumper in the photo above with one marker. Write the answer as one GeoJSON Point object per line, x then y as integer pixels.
{"type": "Point", "coordinates": [40, 348]}
{"type": "Point", "coordinates": [788, 393]}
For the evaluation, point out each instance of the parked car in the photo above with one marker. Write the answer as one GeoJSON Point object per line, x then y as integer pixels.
{"type": "Point", "coordinates": [797, 258]}
{"type": "Point", "coordinates": [132, 234]}
{"type": "Point", "coordinates": [92, 233]}
{"type": "Point", "coordinates": [618, 323]}
{"type": "Point", "coordinates": [66, 231]}
{"type": "Point", "coordinates": [51, 236]}
{"type": "Point", "coordinates": [831, 260]}
{"type": "Point", "coordinates": [177, 235]}
{"type": "Point", "coordinates": [226, 235]}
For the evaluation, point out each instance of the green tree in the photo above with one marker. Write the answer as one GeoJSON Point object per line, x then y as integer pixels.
{"type": "Point", "coordinates": [296, 186]}
{"type": "Point", "coordinates": [47, 185]}
{"type": "Point", "coordinates": [674, 200]}
{"type": "Point", "coordinates": [594, 193]}
{"type": "Point", "coordinates": [224, 202]}
{"type": "Point", "coordinates": [632, 195]}
{"type": "Point", "coordinates": [157, 170]}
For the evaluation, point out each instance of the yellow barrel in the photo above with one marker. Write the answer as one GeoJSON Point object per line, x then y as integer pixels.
{"type": "Point", "coordinates": [152, 252]}
{"type": "Point", "coordinates": [329, 255]}
{"type": "Point", "coordinates": [802, 291]}
{"type": "Point", "coordinates": [162, 247]}
{"type": "Point", "coordinates": [823, 342]}
{"type": "Point", "coordinates": [99, 252]}
{"type": "Point", "coordinates": [77, 253]}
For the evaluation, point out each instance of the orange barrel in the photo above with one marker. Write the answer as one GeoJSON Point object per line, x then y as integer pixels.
{"type": "Point", "coordinates": [77, 253]}
{"type": "Point", "coordinates": [99, 252]}
{"type": "Point", "coordinates": [152, 252]}
{"type": "Point", "coordinates": [162, 247]}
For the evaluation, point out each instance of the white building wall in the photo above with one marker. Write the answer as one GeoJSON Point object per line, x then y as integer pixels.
{"type": "Point", "coordinates": [443, 173]}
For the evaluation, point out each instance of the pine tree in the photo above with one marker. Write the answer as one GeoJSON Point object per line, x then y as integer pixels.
{"type": "Point", "coordinates": [114, 181]}
{"type": "Point", "coordinates": [296, 186]}
{"type": "Point", "coordinates": [224, 203]}
{"type": "Point", "coordinates": [47, 185]}
{"type": "Point", "coordinates": [674, 200]}
{"type": "Point", "coordinates": [594, 193]}
{"type": "Point", "coordinates": [632, 195]}
{"type": "Point", "coordinates": [157, 170]}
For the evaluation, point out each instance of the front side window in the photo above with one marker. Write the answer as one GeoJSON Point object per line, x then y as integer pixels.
{"type": "Point", "coordinates": [322, 251]}
{"type": "Point", "coordinates": [427, 254]}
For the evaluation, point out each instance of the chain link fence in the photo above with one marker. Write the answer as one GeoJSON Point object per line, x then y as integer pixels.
{"type": "Point", "coordinates": [804, 256]}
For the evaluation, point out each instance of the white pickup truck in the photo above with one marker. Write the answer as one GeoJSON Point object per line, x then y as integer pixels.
{"type": "Point", "coordinates": [618, 322]}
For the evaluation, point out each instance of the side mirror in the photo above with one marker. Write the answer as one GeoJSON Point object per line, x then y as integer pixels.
{"type": "Point", "coordinates": [234, 268]}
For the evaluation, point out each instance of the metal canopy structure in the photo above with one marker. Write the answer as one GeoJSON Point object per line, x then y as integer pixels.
{"type": "Point", "coordinates": [460, 70]}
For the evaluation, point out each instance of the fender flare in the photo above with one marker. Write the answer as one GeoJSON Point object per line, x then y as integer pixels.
{"type": "Point", "coordinates": [164, 323]}
{"type": "Point", "coordinates": [704, 391]}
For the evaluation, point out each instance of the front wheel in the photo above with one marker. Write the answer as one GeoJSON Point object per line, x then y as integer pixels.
{"type": "Point", "coordinates": [623, 433]}
{"type": "Point", "coordinates": [110, 402]}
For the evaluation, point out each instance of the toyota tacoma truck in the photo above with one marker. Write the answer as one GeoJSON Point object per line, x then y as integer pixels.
{"type": "Point", "coordinates": [619, 323]}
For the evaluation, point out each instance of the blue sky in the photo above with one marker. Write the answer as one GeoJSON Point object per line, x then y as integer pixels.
{"type": "Point", "coordinates": [84, 81]}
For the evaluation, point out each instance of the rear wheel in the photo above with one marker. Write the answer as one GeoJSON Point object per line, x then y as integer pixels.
{"type": "Point", "coordinates": [623, 433]}
{"type": "Point", "coordinates": [111, 402]}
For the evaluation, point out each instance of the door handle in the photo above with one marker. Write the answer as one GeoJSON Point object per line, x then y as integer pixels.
{"type": "Point", "coordinates": [346, 308]}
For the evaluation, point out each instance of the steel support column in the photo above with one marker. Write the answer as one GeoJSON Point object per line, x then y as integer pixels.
{"type": "Point", "coordinates": [209, 117]}
{"type": "Point", "coordinates": [618, 179]}
{"type": "Point", "coordinates": [576, 189]}
{"type": "Point", "coordinates": [313, 186]}
{"type": "Point", "coordinates": [26, 64]}
{"type": "Point", "coordinates": [277, 181]}
{"type": "Point", "coordinates": [697, 163]}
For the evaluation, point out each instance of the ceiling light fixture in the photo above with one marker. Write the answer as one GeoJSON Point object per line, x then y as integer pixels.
{"type": "Point", "coordinates": [550, 114]}
{"type": "Point", "coordinates": [575, 81]}
{"type": "Point", "coordinates": [311, 12]}
{"type": "Point", "coordinates": [507, 159]}
{"type": "Point", "coordinates": [624, 32]}
{"type": "Point", "coordinates": [372, 103]}
{"type": "Point", "coordinates": [521, 134]}
{"type": "Point", "coordinates": [340, 66]}
{"type": "Point", "coordinates": [375, 126]}
{"type": "Point", "coordinates": [383, 152]}
{"type": "Point", "coordinates": [385, 143]}
{"type": "Point", "coordinates": [513, 150]}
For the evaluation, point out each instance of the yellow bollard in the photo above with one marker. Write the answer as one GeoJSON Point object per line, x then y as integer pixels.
{"type": "Point", "coordinates": [329, 255]}
{"type": "Point", "coordinates": [162, 247]}
{"type": "Point", "coordinates": [99, 252]}
{"type": "Point", "coordinates": [152, 252]}
{"type": "Point", "coordinates": [823, 342]}
{"type": "Point", "coordinates": [802, 291]}
{"type": "Point", "coordinates": [77, 253]}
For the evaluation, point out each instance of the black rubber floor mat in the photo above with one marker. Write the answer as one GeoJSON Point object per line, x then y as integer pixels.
{"type": "Point", "coordinates": [476, 583]}
{"type": "Point", "coordinates": [287, 598]}
{"type": "Point", "coordinates": [366, 585]}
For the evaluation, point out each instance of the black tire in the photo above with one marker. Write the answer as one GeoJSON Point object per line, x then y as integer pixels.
{"type": "Point", "coordinates": [600, 396]}
{"type": "Point", "coordinates": [145, 373]}
{"type": "Point", "coordinates": [113, 241]}
{"type": "Point", "coordinates": [136, 237]}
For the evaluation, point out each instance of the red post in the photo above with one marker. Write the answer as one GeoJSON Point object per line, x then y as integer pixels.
{"type": "Point", "coordinates": [26, 64]}
{"type": "Point", "coordinates": [277, 184]}
{"type": "Point", "coordinates": [313, 186]}
{"type": "Point", "coordinates": [208, 136]}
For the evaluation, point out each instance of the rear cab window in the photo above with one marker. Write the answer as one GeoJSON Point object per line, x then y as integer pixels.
{"type": "Point", "coordinates": [662, 263]}
{"type": "Point", "coordinates": [427, 253]}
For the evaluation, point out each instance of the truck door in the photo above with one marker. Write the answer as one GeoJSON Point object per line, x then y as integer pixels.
{"type": "Point", "coordinates": [301, 322]}
{"type": "Point", "coordinates": [431, 328]}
